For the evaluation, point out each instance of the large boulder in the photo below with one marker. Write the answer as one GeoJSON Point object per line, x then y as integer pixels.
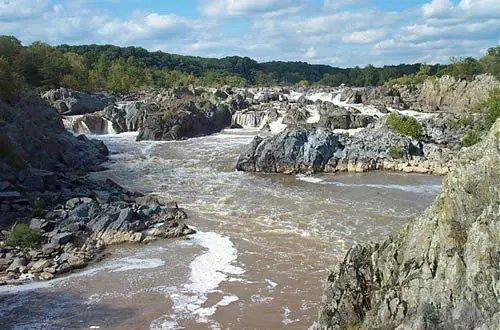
{"type": "Point", "coordinates": [334, 117]}
{"type": "Point", "coordinates": [35, 150]}
{"type": "Point", "coordinates": [71, 102]}
{"type": "Point", "coordinates": [441, 271]}
{"type": "Point", "coordinates": [183, 113]}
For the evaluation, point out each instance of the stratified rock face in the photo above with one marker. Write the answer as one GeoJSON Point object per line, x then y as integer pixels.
{"type": "Point", "coordinates": [442, 271]}
{"type": "Point", "coordinates": [306, 149]}
{"type": "Point", "coordinates": [183, 113]}
{"type": "Point", "coordinates": [449, 94]}
{"type": "Point", "coordinates": [69, 102]}
{"type": "Point", "coordinates": [442, 94]}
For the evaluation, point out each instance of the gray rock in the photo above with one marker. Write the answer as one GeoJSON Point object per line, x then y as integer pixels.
{"type": "Point", "coordinates": [441, 271]}
{"type": "Point", "coordinates": [179, 114]}
{"type": "Point", "coordinates": [42, 224]}
{"type": "Point", "coordinates": [62, 238]}
{"type": "Point", "coordinates": [70, 102]}
{"type": "Point", "coordinates": [9, 195]}
{"type": "Point", "coordinates": [38, 266]}
{"type": "Point", "coordinates": [16, 264]}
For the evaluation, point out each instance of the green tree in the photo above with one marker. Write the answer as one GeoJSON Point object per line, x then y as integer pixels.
{"type": "Point", "coordinates": [491, 61]}
{"type": "Point", "coordinates": [10, 81]}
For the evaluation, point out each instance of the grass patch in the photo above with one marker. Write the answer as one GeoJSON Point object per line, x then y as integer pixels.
{"type": "Point", "coordinates": [22, 235]}
{"type": "Point", "coordinates": [471, 139]}
{"type": "Point", "coordinates": [408, 126]}
{"type": "Point", "coordinates": [395, 152]}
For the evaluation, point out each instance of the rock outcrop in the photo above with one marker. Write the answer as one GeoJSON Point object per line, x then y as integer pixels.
{"type": "Point", "coordinates": [32, 136]}
{"type": "Point", "coordinates": [183, 113]}
{"type": "Point", "coordinates": [305, 149]}
{"type": "Point", "coordinates": [77, 231]}
{"type": "Point", "coordinates": [334, 117]}
{"type": "Point", "coordinates": [69, 102]}
{"type": "Point", "coordinates": [435, 94]}
{"type": "Point", "coordinates": [442, 271]}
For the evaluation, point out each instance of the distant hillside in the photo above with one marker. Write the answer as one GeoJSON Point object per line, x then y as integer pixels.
{"type": "Point", "coordinates": [276, 72]}
{"type": "Point", "coordinates": [123, 69]}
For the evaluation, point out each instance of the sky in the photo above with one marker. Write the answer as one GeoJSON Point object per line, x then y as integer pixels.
{"type": "Point", "coordinates": [341, 33]}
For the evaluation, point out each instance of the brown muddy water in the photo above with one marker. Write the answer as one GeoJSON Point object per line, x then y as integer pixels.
{"type": "Point", "coordinates": [263, 248]}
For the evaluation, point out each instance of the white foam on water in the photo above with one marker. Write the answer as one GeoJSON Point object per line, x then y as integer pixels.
{"type": "Point", "coordinates": [277, 126]}
{"type": "Point", "coordinates": [314, 114]}
{"type": "Point", "coordinates": [307, 178]}
{"type": "Point", "coordinates": [257, 299]}
{"type": "Point", "coordinates": [271, 284]}
{"type": "Point", "coordinates": [286, 316]}
{"type": "Point", "coordinates": [413, 113]}
{"type": "Point", "coordinates": [429, 188]}
{"type": "Point", "coordinates": [208, 270]}
{"type": "Point", "coordinates": [351, 131]}
{"type": "Point", "coordinates": [129, 263]}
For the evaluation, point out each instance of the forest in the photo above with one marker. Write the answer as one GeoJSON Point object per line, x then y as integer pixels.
{"type": "Point", "coordinates": [123, 69]}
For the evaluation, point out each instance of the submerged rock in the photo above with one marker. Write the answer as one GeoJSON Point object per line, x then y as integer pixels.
{"type": "Point", "coordinates": [441, 271]}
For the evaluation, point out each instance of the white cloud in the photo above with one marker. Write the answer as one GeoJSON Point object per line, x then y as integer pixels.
{"type": "Point", "coordinates": [311, 53]}
{"type": "Point", "coordinates": [245, 7]}
{"type": "Point", "coordinates": [12, 10]}
{"type": "Point", "coordinates": [329, 32]}
{"type": "Point", "coordinates": [364, 37]}
{"type": "Point", "coordinates": [465, 8]}
{"type": "Point", "coordinates": [336, 4]}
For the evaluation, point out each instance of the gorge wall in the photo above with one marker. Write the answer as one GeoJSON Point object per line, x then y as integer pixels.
{"type": "Point", "coordinates": [441, 271]}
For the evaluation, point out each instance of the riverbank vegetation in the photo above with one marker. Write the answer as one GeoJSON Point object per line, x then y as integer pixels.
{"type": "Point", "coordinates": [122, 69]}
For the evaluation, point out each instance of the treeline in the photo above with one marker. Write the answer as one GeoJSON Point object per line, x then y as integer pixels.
{"type": "Point", "coordinates": [121, 69]}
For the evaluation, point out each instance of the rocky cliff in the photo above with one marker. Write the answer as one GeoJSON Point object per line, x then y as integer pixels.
{"type": "Point", "coordinates": [435, 94]}
{"type": "Point", "coordinates": [442, 271]}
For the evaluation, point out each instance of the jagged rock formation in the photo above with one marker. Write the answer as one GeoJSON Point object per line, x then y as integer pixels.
{"type": "Point", "coordinates": [305, 149]}
{"type": "Point", "coordinates": [77, 231]}
{"type": "Point", "coordinates": [183, 113]}
{"type": "Point", "coordinates": [69, 102]}
{"type": "Point", "coordinates": [442, 271]}
{"type": "Point", "coordinates": [449, 94]}
{"type": "Point", "coordinates": [435, 94]}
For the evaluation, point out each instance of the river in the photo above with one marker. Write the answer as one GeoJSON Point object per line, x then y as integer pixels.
{"type": "Point", "coordinates": [263, 247]}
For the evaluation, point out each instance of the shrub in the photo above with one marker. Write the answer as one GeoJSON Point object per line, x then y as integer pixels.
{"type": "Point", "coordinates": [395, 152]}
{"type": "Point", "coordinates": [405, 125]}
{"type": "Point", "coordinates": [470, 139]}
{"type": "Point", "coordinates": [493, 105]}
{"type": "Point", "coordinates": [23, 236]}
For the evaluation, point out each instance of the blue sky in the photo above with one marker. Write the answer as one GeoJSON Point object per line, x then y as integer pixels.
{"type": "Point", "coordinates": [335, 32]}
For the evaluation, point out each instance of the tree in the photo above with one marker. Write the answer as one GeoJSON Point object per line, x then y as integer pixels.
{"type": "Point", "coordinates": [491, 61]}
{"type": "Point", "coordinates": [10, 82]}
